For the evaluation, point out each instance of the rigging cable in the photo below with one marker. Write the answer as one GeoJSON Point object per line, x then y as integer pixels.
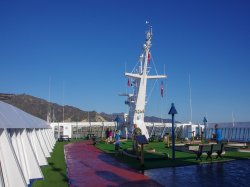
{"type": "Point", "coordinates": [153, 64]}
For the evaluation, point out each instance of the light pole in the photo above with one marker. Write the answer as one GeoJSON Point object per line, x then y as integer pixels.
{"type": "Point", "coordinates": [172, 112]}
{"type": "Point", "coordinates": [205, 128]}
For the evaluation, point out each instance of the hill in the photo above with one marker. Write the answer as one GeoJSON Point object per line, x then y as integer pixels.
{"type": "Point", "coordinates": [146, 119]}
{"type": "Point", "coordinates": [40, 107]}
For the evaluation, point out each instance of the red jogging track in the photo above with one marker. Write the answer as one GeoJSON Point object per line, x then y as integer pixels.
{"type": "Point", "coordinates": [88, 166]}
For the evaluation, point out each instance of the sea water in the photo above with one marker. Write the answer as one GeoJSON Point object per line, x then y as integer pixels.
{"type": "Point", "coordinates": [229, 174]}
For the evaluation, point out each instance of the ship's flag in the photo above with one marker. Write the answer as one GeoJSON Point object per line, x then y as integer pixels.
{"type": "Point", "coordinates": [128, 82]}
{"type": "Point", "coordinates": [148, 57]}
{"type": "Point", "coordinates": [162, 88]}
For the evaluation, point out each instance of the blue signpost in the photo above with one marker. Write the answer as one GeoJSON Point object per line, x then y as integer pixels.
{"type": "Point", "coordinates": [173, 111]}
{"type": "Point", "coordinates": [205, 128]}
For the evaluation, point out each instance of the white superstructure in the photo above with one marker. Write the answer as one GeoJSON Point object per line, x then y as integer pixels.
{"type": "Point", "coordinates": [139, 77]}
{"type": "Point", "coordinates": [238, 132]}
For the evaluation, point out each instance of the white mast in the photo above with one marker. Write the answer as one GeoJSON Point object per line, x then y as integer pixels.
{"type": "Point", "coordinates": [136, 101]}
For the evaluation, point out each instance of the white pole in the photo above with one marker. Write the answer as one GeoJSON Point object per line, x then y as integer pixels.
{"type": "Point", "coordinates": [49, 88]}
{"type": "Point", "coordinates": [63, 101]}
{"type": "Point", "coordinates": [76, 130]}
{"type": "Point", "coordinates": [49, 109]}
{"type": "Point", "coordinates": [190, 101]}
{"type": "Point", "coordinates": [233, 125]}
{"type": "Point", "coordinates": [58, 131]}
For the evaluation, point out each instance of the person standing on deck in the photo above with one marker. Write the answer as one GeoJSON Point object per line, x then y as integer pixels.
{"type": "Point", "coordinates": [110, 135]}
{"type": "Point", "coordinates": [137, 131]}
{"type": "Point", "coordinates": [117, 141]}
{"type": "Point", "coordinates": [217, 134]}
{"type": "Point", "coordinates": [107, 135]}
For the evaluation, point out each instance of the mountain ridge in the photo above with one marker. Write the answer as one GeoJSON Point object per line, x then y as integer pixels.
{"type": "Point", "coordinates": [40, 108]}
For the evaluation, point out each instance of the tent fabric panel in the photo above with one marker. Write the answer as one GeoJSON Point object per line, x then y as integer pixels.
{"type": "Point", "coordinates": [38, 148]}
{"type": "Point", "coordinates": [46, 140]}
{"type": "Point", "coordinates": [9, 162]}
{"type": "Point", "coordinates": [23, 161]}
{"type": "Point", "coordinates": [43, 143]}
{"type": "Point", "coordinates": [34, 171]}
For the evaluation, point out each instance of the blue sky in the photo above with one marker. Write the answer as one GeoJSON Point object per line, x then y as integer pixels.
{"type": "Point", "coordinates": [84, 45]}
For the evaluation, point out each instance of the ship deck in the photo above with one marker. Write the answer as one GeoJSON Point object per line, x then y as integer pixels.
{"type": "Point", "coordinates": [88, 166]}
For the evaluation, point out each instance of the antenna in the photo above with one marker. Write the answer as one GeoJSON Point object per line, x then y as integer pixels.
{"type": "Point", "coordinates": [233, 118]}
{"type": "Point", "coordinates": [231, 134]}
{"type": "Point", "coordinates": [49, 108]}
{"type": "Point", "coordinates": [125, 66]}
{"type": "Point", "coordinates": [53, 117]}
{"type": "Point", "coordinates": [126, 86]}
{"type": "Point", "coordinates": [49, 87]}
{"type": "Point", "coordinates": [190, 100]}
{"type": "Point", "coordinates": [63, 101]}
{"type": "Point", "coordinates": [149, 32]}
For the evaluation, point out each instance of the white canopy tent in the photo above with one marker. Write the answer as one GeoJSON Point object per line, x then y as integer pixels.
{"type": "Point", "coordinates": [25, 143]}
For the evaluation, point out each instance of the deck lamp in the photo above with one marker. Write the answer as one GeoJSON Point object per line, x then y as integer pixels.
{"type": "Point", "coordinates": [172, 112]}
{"type": "Point", "coordinates": [205, 128]}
